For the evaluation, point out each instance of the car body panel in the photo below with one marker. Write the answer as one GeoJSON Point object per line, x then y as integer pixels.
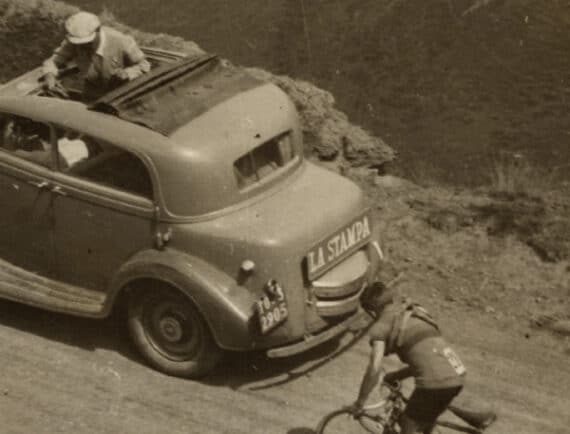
{"type": "Point", "coordinates": [27, 222]}
{"type": "Point", "coordinates": [97, 238]}
{"type": "Point", "coordinates": [198, 228]}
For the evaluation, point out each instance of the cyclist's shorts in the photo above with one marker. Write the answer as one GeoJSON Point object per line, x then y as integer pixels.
{"type": "Point", "coordinates": [425, 405]}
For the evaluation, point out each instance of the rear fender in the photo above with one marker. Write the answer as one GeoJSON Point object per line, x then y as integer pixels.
{"type": "Point", "coordinates": [226, 306]}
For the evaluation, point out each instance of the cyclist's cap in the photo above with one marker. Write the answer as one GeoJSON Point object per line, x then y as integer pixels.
{"type": "Point", "coordinates": [82, 27]}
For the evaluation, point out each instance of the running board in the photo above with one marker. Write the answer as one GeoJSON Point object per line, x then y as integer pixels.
{"type": "Point", "coordinates": [22, 286]}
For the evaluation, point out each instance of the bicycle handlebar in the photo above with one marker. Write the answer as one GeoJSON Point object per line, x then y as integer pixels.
{"type": "Point", "coordinates": [395, 391]}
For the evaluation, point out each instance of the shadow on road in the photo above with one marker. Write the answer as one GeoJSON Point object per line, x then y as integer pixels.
{"type": "Point", "coordinates": [255, 371]}
{"type": "Point", "coordinates": [247, 370]}
{"type": "Point", "coordinates": [88, 334]}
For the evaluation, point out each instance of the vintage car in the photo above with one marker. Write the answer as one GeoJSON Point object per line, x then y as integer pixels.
{"type": "Point", "coordinates": [185, 195]}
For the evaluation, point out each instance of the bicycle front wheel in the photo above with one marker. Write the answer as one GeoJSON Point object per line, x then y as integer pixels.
{"type": "Point", "coordinates": [343, 422]}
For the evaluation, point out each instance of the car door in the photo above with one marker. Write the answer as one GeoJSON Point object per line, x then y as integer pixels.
{"type": "Point", "coordinates": [26, 219]}
{"type": "Point", "coordinates": [103, 210]}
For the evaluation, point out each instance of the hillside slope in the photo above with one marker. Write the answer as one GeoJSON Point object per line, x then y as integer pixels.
{"type": "Point", "coordinates": [448, 83]}
{"type": "Point", "coordinates": [528, 229]}
{"type": "Point", "coordinates": [493, 265]}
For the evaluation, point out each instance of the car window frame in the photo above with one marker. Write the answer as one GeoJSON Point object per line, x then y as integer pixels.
{"type": "Point", "coordinates": [88, 186]}
{"type": "Point", "coordinates": [25, 162]}
{"type": "Point", "coordinates": [107, 195]}
{"type": "Point", "coordinates": [104, 195]}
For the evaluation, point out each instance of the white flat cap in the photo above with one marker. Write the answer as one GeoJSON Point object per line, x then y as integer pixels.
{"type": "Point", "coordinates": [82, 27]}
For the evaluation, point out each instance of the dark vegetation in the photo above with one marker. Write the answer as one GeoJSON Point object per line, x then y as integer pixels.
{"type": "Point", "coordinates": [450, 84]}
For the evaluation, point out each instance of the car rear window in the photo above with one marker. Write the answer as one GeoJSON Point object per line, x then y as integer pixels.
{"type": "Point", "coordinates": [264, 160]}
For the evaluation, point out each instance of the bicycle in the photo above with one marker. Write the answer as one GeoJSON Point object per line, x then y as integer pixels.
{"type": "Point", "coordinates": [382, 417]}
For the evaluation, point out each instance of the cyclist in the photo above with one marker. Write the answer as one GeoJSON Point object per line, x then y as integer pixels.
{"type": "Point", "coordinates": [407, 330]}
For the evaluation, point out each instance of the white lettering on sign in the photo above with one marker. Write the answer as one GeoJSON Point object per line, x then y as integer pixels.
{"type": "Point", "coordinates": [338, 244]}
{"type": "Point", "coordinates": [316, 260]}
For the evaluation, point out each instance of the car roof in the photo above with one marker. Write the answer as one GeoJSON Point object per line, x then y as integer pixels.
{"type": "Point", "coordinates": [76, 116]}
{"type": "Point", "coordinates": [174, 93]}
{"type": "Point", "coordinates": [221, 119]}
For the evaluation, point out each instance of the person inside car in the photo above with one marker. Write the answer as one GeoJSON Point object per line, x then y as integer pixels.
{"type": "Point", "coordinates": [407, 330]}
{"type": "Point", "coordinates": [106, 58]}
{"type": "Point", "coordinates": [27, 139]}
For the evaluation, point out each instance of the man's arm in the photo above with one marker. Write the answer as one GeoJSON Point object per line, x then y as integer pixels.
{"type": "Point", "coordinates": [135, 59]}
{"type": "Point", "coordinates": [373, 372]}
{"type": "Point", "coordinates": [60, 57]}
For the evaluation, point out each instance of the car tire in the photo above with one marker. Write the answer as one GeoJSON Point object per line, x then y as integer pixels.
{"type": "Point", "coordinates": [171, 334]}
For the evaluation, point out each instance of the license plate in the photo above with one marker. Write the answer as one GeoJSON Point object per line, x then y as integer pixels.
{"type": "Point", "coordinates": [272, 312]}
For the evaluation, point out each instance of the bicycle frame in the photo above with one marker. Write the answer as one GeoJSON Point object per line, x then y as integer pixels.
{"type": "Point", "coordinates": [386, 421]}
{"type": "Point", "coordinates": [378, 418]}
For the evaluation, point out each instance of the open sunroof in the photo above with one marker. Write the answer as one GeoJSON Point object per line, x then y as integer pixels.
{"type": "Point", "coordinates": [171, 95]}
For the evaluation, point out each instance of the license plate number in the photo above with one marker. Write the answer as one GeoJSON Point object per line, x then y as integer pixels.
{"type": "Point", "coordinates": [271, 312]}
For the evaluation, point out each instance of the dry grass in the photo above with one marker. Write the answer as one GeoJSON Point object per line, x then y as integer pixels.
{"type": "Point", "coordinates": [513, 174]}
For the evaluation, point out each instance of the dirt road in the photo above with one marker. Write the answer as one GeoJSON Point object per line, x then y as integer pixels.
{"type": "Point", "coordinates": [66, 375]}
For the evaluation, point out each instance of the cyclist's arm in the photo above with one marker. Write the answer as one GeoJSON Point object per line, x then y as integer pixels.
{"type": "Point", "coordinates": [373, 372]}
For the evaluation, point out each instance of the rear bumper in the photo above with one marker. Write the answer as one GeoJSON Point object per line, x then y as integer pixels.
{"type": "Point", "coordinates": [338, 307]}
{"type": "Point", "coordinates": [356, 321]}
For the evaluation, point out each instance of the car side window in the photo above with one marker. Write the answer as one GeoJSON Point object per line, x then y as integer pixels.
{"type": "Point", "coordinates": [85, 157]}
{"type": "Point", "coordinates": [26, 138]}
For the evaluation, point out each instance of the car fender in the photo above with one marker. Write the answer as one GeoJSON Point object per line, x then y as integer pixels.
{"type": "Point", "coordinates": [226, 306]}
{"type": "Point", "coordinates": [375, 253]}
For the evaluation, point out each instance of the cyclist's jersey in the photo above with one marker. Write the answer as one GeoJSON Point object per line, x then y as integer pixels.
{"type": "Point", "coordinates": [434, 364]}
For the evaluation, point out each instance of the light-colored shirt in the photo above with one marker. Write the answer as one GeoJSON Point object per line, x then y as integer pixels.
{"type": "Point", "coordinates": [115, 51]}
{"type": "Point", "coordinates": [72, 151]}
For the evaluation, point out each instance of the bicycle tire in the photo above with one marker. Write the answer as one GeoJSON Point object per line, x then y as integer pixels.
{"type": "Point", "coordinates": [326, 421]}
{"type": "Point", "coordinates": [339, 421]}
{"type": "Point", "coordinates": [334, 422]}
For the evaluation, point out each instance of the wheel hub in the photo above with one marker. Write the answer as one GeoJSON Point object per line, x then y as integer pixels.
{"type": "Point", "coordinates": [171, 329]}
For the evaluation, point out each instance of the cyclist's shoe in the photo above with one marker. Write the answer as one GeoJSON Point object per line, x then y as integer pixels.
{"type": "Point", "coordinates": [477, 419]}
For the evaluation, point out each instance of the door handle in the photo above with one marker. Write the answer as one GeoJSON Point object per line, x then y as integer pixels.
{"type": "Point", "coordinates": [58, 190]}
{"type": "Point", "coordinates": [39, 184]}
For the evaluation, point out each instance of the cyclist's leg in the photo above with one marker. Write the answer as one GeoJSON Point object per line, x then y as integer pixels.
{"type": "Point", "coordinates": [409, 425]}
{"type": "Point", "coordinates": [423, 409]}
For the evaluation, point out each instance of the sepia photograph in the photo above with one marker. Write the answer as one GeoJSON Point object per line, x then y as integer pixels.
{"type": "Point", "coordinates": [284, 216]}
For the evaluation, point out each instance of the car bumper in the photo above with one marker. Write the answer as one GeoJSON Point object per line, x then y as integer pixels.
{"type": "Point", "coordinates": [357, 321]}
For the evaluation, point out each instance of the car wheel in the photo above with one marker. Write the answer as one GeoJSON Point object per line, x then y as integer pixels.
{"type": "Point", "coordinates": [171, 333]}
